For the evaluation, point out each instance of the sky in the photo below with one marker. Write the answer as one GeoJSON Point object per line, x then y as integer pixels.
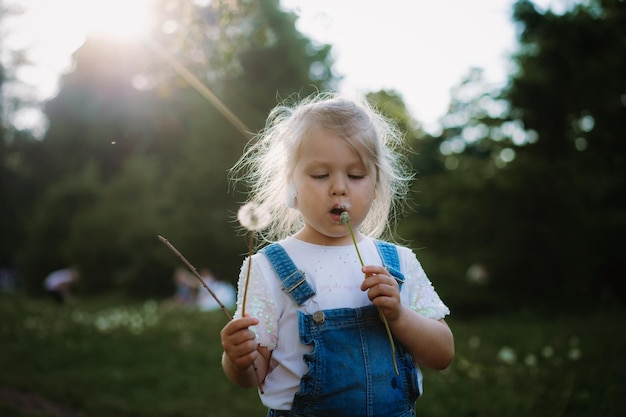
{"type": "Point", "coordinates": [419, 48]}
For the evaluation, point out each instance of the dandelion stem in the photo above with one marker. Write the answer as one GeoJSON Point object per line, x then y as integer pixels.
{"type": "Point", "coordinates": [245, 289]}
{"type": "Point", "coordinates": [196, 274]}
{"type": "Point", "coordinates": [245, 296]}
{"type": "Point", "coordinates": [346, 219]}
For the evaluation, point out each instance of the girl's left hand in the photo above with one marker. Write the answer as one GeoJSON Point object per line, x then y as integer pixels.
{"type": "Point", "coordinates": [383, 290]}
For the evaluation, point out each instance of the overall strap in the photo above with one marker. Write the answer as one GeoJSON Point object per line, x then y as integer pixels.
{"type": "Point", "coordinates": [391, 261]}
{"type": "Point", "coordinates": [292, 279]}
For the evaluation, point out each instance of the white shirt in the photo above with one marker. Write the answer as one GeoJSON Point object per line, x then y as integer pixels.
{"type": "Point", "coordinates": [224, 291]}
{"type": "Point", "coordinates": [335, 274]}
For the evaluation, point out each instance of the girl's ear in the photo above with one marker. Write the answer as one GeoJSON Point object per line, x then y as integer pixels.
{"type": "Point", "coordinates": [291, 196]}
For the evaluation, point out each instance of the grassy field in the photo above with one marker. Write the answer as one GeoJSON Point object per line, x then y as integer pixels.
{"type": "Point", "coordinates": [106, 357]}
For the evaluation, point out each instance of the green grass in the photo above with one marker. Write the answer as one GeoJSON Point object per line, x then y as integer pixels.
{"type": "Point", "coordinates": [110, 357]}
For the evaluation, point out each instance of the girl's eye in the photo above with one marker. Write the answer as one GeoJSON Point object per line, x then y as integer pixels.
{"type": "Point", "coordinates": [319, 176]}
{"type": "Point", "coordinates": [356, 177]}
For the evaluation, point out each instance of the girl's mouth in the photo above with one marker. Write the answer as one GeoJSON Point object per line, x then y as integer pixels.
{"type": "Point", "coordinates": [336, 211]}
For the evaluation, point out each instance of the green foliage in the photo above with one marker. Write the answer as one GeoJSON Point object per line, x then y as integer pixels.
{"type": "Point", "coordinates": [529, 365]}
{"type": "Point", "coordinates": [533, 180]}
{"type": "Point", "coordinates": [108, 356]}
{"type": "Point", "coordinates": [121, 229]}
{"type": "Point", "coordinates": [570, 91]}
{"type": "Point", "coordinates": [278, 60]}
{"type": "Point", "coordinates": [50, 227]}
{"type": "Point", "coordinates": [17, 191]}
{"type": "Point", "coordinates": [527, 183]}
{"type": "Point", "coordinates": [134, 150]}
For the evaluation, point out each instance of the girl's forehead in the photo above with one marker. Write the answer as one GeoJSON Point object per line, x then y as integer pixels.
{"type": "Point", "coordinates": [324, 141]}
{"type": "Point", "coordinates": [326, 146]}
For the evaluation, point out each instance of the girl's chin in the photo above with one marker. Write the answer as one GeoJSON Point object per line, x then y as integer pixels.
{"type": "Point", "coordinates": [339, 238]}
{"type": "Point", "coordinates": [328, 237]}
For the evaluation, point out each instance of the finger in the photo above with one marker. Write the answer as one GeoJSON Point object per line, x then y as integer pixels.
{"type": "Point", "coordinates": [239, 324]}
{"type": "Point", "coordinates": [243, 349]}
{"type": "Point", "coordinates": [239, 340]}
{"type": "Point", "coordinates": [374, 270]}
{"type": "Point", "coordinates": [244, 361]}
{"type": "Point", "coordinates": [380, 280]}
{"type": "Point", "coordinates": [381, 295]}
{"type": "Point", "coordinates": [242, 355]}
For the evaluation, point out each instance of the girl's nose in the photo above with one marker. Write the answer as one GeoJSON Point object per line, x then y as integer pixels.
{"type": "Point", "coordinates": [339, 188]}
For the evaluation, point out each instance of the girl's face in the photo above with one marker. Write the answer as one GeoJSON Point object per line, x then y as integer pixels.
{"type": "Point", "coordinates": [330, 178]}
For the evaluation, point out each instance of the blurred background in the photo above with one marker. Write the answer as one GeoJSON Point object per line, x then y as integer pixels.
{"type": "Point", "coordinates": [518, 206]}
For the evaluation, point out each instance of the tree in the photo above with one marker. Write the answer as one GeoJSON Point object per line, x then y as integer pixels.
{"type": "Point", "coordinates": [17, 190]}
{"type": "Point", "coordinates": [149, 153]}
{"type": "Point", "coordinates": [541, 185]}
{"type": "Point", "coordinates": [533, 188]}
{"type": "Point", "coordinates": [570, 90]}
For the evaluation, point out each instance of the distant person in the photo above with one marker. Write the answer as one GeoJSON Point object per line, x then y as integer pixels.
{"type": "Point", "coordinates": [223, 290]}
{"type": "Point", "coordinates": [8, 280]}
{"type": "Point", "coordinates": [58, 284]}
{"type": "Point", "coordinates": [186, 287]}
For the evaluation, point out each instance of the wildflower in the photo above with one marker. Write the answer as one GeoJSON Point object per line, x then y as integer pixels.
{"type": "Point", "coordinates": [507, 355]}
{"type": "Point", "coordinates": [530, 360]}
{"type": "Point", "coordinates": [547, 351]}
{"type": "Point", "coordinates": [574, 354]}
{"type": "Point", "coordinates": [345, 219]}
{"type": "Point", "coordinates": [474, 372]}
{"type": "Point", "coordinates": [474, 342]}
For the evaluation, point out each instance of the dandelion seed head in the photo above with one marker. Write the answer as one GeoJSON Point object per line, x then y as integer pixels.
{"type": "Point", "coordinates": [253, 217]}
{"type": "Point", "coordinates": [574, 354]}
{"type": "Point", "coordinates": [474, 372]}
{"type": "Point", "coordinates": [345, 218]}
{"type": "Point", "coordinates": [474, 342]}
{"type": "Point", "coordinates": [547, 351]}
{"type": "Point", "coordinates": [507, 355]}
{"type": "Point", "coordinates": [530, 360]}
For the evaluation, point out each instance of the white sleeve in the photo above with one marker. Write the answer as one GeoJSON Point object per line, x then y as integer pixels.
{"type": "Point", "coordinates": [422, 296]}
{"type": "Point", "coordinates": [259, 303]}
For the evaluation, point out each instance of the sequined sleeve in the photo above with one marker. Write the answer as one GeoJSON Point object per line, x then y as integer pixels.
{"type": "Point", "coordinates": [422, 295]}
{"type": "Point", "coordinates": [259, 304]}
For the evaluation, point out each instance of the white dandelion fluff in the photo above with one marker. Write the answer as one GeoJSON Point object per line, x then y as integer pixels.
{"type": "Point", "coordinates": [253, 217]}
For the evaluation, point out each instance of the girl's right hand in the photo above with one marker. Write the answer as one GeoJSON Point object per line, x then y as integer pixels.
{"type": "Point", "coordinates": [239, 342]}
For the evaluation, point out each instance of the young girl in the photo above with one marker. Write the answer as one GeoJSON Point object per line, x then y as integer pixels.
{"type": "Point", "coordinates": [312, 336]}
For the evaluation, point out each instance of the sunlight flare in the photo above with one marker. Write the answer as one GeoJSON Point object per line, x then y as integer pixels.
{"type": "Point", "coordinates": [116, 18]}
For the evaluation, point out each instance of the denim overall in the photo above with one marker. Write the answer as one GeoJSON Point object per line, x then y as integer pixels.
{"type": "Point", "coordinates": [351, 372]}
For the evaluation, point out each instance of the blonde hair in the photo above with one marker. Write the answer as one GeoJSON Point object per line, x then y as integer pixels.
{"type": "Point", "coordinates": [270, 158]}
